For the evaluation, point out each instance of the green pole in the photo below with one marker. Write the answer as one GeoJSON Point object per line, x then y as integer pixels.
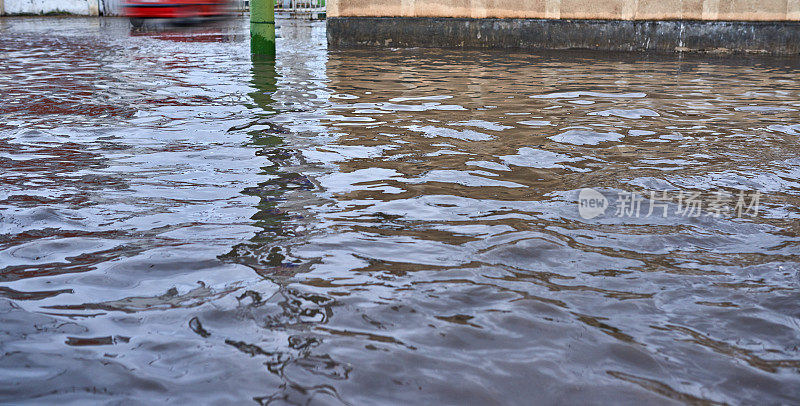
{"type": "Point", "coordinates": [262, 27]}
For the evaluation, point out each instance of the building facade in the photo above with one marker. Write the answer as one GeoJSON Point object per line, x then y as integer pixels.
{"type": "Point", "coordinates": [762, 26]}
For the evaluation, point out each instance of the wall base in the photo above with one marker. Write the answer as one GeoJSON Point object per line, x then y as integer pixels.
{"type": "Point", "coordinates": [780, 37]}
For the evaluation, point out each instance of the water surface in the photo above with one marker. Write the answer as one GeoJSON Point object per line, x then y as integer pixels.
{"type": "Point", "coordinates": [180, 223]}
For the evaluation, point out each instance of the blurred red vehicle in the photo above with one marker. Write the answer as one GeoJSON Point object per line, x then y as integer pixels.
{"type": "Point", "coordinates": [140, 10]}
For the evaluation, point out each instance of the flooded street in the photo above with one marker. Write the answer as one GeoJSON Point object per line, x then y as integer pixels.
{"type": "Point", "coordinates": [180, 224]}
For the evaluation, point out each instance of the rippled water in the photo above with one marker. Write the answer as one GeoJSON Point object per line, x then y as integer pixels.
{"type": "Point", "coordinates": [181, 224]}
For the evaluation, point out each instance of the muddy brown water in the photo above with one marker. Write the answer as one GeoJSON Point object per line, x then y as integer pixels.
{"type": "Point", "coordinates": [182, 224]}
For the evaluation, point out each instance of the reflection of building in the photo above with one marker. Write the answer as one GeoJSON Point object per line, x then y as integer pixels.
{"type": "Point", "coordinates": [708, 25]}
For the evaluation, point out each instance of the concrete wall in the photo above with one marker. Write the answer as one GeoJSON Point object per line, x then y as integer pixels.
{"type": "Point", "coordinates": [80, 7]}
{"type": "Point", "coordinates": [708, 10]}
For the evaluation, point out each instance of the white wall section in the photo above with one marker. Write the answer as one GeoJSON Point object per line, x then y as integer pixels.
{"type": "Point", "coordinates": [80, 7]}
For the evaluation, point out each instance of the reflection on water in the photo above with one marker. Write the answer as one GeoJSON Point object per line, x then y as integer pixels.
{"type": "Point", "coordinates": [183, 224]}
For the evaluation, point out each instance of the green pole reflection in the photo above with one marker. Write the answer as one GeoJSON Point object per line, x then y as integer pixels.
{"type": "Point", "coordinates": [267, 254]}
{"type": "Point", "coordinates": [265, 83]}
{"type": "Point", "coordinates": [263, 252]}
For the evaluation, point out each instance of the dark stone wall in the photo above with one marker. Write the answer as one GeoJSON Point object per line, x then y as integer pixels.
{"type": "Point", "coordinates": [781, 38]}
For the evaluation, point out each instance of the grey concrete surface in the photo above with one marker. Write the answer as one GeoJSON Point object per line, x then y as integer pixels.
{"type": "Point", "coordinates": [780, 38]}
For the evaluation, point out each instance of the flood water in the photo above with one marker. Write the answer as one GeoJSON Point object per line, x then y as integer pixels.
{"type": "Point", "coordinates": [180, 224]}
